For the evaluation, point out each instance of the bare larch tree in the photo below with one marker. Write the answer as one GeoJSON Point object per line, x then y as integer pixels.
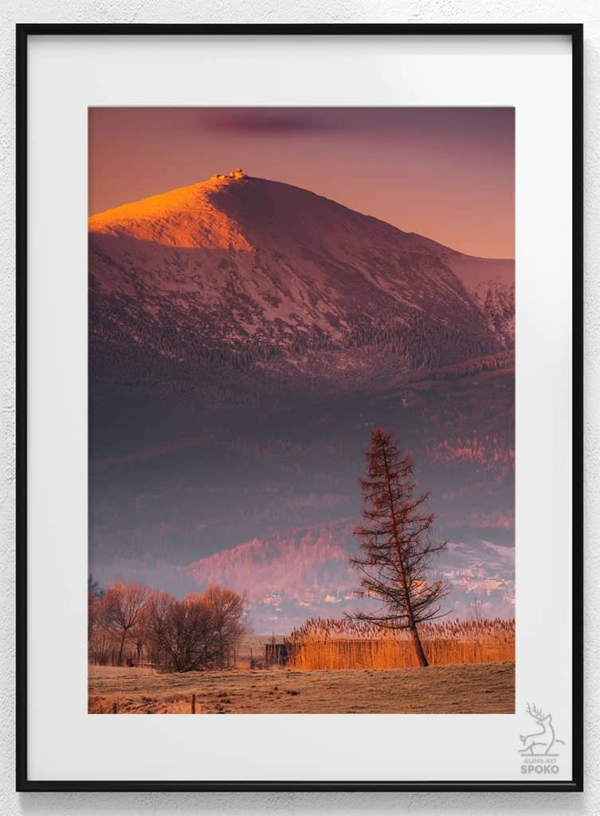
{"type": "Point", "coordinates": [395, 544]}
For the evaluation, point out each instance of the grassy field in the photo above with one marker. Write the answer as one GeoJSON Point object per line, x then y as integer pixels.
{"type": "Point", "coordinates": [455, 689]}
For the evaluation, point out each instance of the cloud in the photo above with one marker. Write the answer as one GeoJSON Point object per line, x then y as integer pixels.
{"type": "Point", "coordinates": [267, 121]}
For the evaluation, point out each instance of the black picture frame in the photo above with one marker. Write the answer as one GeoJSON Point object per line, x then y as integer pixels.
{"type": "Point", "coordinates": [23, 33]}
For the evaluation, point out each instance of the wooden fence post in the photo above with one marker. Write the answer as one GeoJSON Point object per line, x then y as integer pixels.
{"type": "Point", "coordinates": [193, 703]}
{"type": "Point", "coordinates": [115, 708]}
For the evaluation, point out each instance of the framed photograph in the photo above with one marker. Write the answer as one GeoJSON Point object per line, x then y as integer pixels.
{"type": "Point", "coordinates": [300, 407]}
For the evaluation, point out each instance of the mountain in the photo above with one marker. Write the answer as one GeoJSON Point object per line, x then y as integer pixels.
{"type": "Point", "coordinates": [305, 572]}
{"type": "Point", "coordinates": [247, 269]}
{"type": "Point", "coordinates": [244, 338]}
{"type": "Point", "coordinates": [303, 562]}
{"type": "Point", "coordinates": [491, 283]}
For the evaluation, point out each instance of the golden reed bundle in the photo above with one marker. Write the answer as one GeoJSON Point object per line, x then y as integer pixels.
{"type": "Point", "coordinates": [347, 644]}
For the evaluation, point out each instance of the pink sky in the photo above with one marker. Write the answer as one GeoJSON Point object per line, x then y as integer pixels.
{"type": "Point", "coordinates": [446, 173]}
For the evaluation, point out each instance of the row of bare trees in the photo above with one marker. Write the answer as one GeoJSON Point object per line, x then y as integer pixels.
{"type": "Point", "coordinates": [129, 623]}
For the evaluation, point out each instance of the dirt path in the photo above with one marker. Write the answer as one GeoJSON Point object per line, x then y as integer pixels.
{"type": "Point", "coordinates": [487, 688]}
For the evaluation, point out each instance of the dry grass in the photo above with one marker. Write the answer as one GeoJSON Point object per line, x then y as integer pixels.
{"type": "Point", "coordinates": [145, 704]}
{"type": "Point", "coordinates": [475, 689]}
{"type": "Point", "coordinates": [343, 644]}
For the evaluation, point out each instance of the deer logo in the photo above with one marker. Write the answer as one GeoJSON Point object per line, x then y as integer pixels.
{"type": "Point", "coordinates": [539, 743]}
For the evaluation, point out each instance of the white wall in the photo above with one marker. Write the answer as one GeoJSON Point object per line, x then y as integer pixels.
{"type": "Point", "coordinates": [371, 11]}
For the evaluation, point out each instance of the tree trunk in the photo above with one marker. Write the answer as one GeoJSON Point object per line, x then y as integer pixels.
{"type": "Point", "coordinates": [121, 648]}
{"type": "Point", "coordinates": [421, 657]}
{"type": "Point", "coordinates": [409, 612]}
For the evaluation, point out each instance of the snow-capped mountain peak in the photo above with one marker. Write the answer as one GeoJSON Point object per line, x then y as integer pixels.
{"type": "Point", "coordinates": [250, 262]}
